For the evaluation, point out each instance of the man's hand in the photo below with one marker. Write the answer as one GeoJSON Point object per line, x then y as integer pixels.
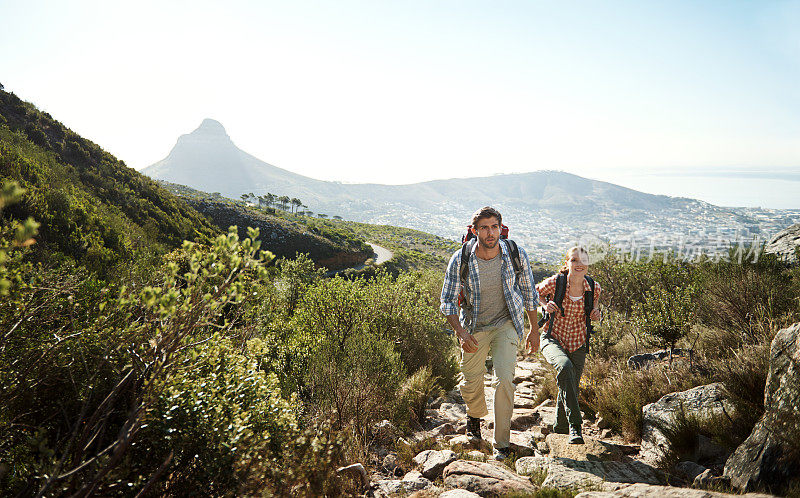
{"type": "Point", "coordinates": [595, 315]}
{"type": "Point", "coordinates": [532, 342]}
{"type": "Point", "coordinates": [468, 342]}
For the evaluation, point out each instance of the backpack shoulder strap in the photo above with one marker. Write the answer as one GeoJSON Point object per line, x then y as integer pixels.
{"type": "Point", "coordinates": [463, 270]}
{"type": "Point", "coordinates": [513, 250]}
{"type": "Point", "coordinates": [561, 291]}
{"type": "Point", "coordinates": [588, 296]}
{"type": "Point", "coordinates": [588, 306]}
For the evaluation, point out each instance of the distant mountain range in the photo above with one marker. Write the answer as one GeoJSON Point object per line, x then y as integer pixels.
{"type": "Point", "coordinates": [537, 204]}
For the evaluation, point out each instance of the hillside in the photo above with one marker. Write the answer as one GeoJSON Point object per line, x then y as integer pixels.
{"type": "Point", "coordinates": [537, 205]}
{"type": "Point", "coordinates": [92, 208]}
{"type": "Point", "coordinates": [284, 235]}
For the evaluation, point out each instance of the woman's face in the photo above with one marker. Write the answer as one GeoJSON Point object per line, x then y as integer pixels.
{"type": "Point", "coordinates": [578, 262]}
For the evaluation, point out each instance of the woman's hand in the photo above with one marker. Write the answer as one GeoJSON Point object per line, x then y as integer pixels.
{"type": "Point", "coordinates": [595, 315]}
{"type": "Point", "coordinates": [551, 307]}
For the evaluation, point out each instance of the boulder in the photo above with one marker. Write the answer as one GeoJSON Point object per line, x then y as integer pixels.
{"type": "Point", "coordinates": [707, 479]}
{"type": "Point", "coordinates": [431, 462]}
{"type": "Point", "coordinates": [690, 470]}
{"type": "Point", "coordinates": [464, 443]}
{"type": "Point", "coordinates": [592, 449]}
{"type": "Point", "coordinates": [357, 472]}
{"type": "Point", "coordinates": [486, 479]}
{"type": "Point", "coordinates": [391, 463]}
{"type": "Point", "coordinates": [652, 491]}
{"type": "Point", "coordinates": [762, 459]}
{"type": "Point", "coordinates": [415, 481]}
{"type": "Point", "coordinates": [566, 473]}
{"type": "Point", "coordinates": [698, 402]}
{"type": "Point", "coordinates": [477, 456]}
{"type": "Point", "coordinates": [459, 493]}
{"type": "Point", "coordinates": [523, 419]}
{"type": "Point", "coordinates": [785, 243]}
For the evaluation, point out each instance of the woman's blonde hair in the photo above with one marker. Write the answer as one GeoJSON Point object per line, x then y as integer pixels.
{"type": "Point", "coordinates": [565, 265]}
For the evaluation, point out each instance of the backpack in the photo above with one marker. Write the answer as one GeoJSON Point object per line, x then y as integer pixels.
{"type": "Point", "coordinates": [468, 241]}
{"type": "Point", "coordinates": [558, 297]}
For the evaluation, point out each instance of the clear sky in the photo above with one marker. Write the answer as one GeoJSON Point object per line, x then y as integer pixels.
{"type": "Point", "coordinates": [405, 91]}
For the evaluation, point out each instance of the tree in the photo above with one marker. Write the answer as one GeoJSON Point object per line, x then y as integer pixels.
{"type": "Point", "coordinates": [321, 215]}
{"type": "Point", "coordinates": [337, 217]}
{"type": "Point", "coordinates": [665, 316]}
{"type": "Point", "coordinates": [305, 209]}
{"type": "Point", "coordinates": [309, 213]}
{"type": "Point", "coordinates": [296, 202]}
{"type": "Point", "coordinates": [284, 200]}
{"type": "Point", "coordinates": [245, 197]}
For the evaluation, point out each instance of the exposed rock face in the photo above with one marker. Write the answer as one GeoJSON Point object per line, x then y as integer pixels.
{"type": "Point", "coordinates": [699, 402]}
{"type": "Point", "coordinates": [592, 449]}
{"type": "Point", "coordinates": [486, 479]}
{"type": "Point", "coordinates": [567, 473]}
{"type": "Point", "coordinates": [650, 491]}
{"type": "Point", "coordinates": [765, 457]}
{"type": "Point", "coordinates": [785, 243]}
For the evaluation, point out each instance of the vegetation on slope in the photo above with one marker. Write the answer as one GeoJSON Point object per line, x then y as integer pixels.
{"type": "Point", "coordinates": [93, 209]}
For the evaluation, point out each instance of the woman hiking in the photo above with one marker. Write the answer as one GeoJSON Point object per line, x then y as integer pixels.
{"type": "Point", "coordinates": [566, 345]}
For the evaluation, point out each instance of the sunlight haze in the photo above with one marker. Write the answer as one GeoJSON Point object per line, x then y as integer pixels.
{"type": "Point", "coordinates": [401, 92]}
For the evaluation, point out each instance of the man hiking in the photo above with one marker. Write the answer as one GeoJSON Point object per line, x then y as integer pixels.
{"type": "Point", "coordinates": [495, 292]}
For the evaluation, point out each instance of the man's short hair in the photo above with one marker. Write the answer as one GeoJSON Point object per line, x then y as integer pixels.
{"type": "Point", "coordinates": [486, 212]}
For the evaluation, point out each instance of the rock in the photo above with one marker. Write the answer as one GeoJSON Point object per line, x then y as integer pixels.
{"type": "Point", "coordinates": [522, 419]}
{"type": "Point", "coordinates": [523, 402]}
{"type": "Point", "coordinates": [605, 434]}
{"type": "Point", "coordinates": [707, 479]}
{"type": "Point", "coordinates": [591, 450]}
{"type": "Point", "coordinates": [785, 243]}
{"type": "Point", "coordinates": [452, 412]}
{"type": "Point", "coordinates": [486, 479]}
{"type": "Point", "coordinates": [543, 447]}
{"type": "Point", "coordinates": [761, 459]}
{"type": "Point", "coordinates": [690, 470]}
{"type": "Point", "coordinates": [638, 361]}
{"type": "Point", "coordinates": [528, 466]}
{"type": "Point", "coordinates": [357, 471]}
{"type": "Point", "coordinates": [566, 473]}
{"type": "Point", "coordinates": [478, 456]}
{"type": "Point", "coordinates": [463, 443]}
{"type": "Point", "coordinates": [391, 463]}
{"type": "Point", "coordinates": [414, 481]}
{"type": "Point", "coordinates": [443, 430]}
{"type": "Point", "coordinates": [459, 493]}
{"type": "Point", "coordinates": [699, 402]}
{"type": "Point", "coordinates": [432, 462]}
{"type": "Point", "coordinates": [522, 375]}
{"type": "Point", "coordinates": [651, 491]}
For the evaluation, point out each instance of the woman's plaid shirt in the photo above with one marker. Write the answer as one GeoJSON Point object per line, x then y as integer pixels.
{"type": "Point", "coordinates": [569, 330]}
{"type": "Point", "coordinates": [520, 293]}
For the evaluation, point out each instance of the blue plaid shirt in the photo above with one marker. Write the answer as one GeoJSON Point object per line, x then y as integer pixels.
{"type": "Point", "coordinates": [520, 293]}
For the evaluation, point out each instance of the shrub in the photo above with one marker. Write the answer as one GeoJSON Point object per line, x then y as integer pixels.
{"type": "Point", "coordinates": [751, 299]}
{"type": "Point", "coordinates": [412, 399]}
{"type": "Point", "coordinates": [665, 316]}
{"type": "Point", "coordinates": [619, 394]}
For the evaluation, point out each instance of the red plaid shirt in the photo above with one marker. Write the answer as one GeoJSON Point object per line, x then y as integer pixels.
{"type": "Point", "coordinates": [570, 329]}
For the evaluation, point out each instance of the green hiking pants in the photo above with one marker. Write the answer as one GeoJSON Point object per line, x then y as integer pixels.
{"type": "Point", "coordinates": [569, 367]}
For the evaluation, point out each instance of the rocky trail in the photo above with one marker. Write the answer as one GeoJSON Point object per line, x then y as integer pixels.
{"type": "Point", "coordinates": [602, 467]}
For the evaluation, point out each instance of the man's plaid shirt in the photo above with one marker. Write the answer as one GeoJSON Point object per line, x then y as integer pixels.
{"type": "Point", "coordinates": [569, 330]}
{"type": "Point", "coordinates": [520, 293]}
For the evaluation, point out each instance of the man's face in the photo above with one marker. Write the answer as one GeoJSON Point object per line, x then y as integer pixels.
{"type": "Point", "coordinates": [488, 232]}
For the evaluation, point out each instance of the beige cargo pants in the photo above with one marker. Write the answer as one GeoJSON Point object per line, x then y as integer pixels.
{"type": "Point", "coordinates": [501, 343]}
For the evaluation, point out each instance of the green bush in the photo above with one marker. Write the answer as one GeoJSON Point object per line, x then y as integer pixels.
{"type": "Point", "coordinates": [665, 316]}
{"type": "Point", "coordinates": [413, 396]}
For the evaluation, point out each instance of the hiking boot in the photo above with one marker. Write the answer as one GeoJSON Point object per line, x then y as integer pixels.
{"type": "Point", "coordinates": [558, 430]}
{"type": "Point", "coordinates": [474, 428]}
{"type": "Point", "coordinates": [501, 453]}
{"type": "Point", "coordinates": [575, 435]}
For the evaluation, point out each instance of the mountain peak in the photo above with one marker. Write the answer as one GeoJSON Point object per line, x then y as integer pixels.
{"type": "Point", "coordinates": [210, 127]}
